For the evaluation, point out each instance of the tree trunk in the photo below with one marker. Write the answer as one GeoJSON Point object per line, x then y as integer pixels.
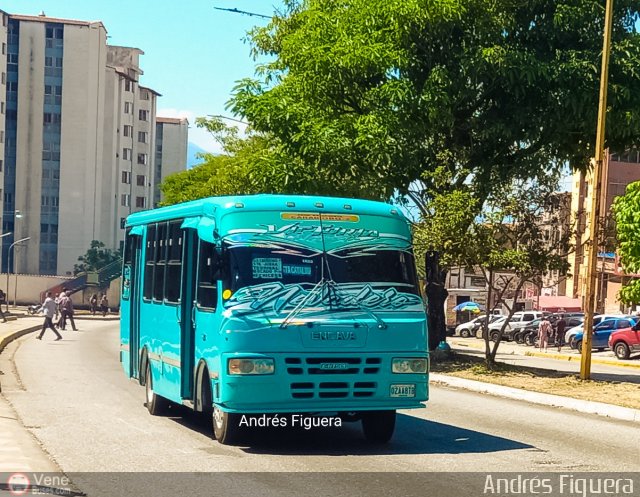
{"type": "Point", "coordinates": [436, 295]}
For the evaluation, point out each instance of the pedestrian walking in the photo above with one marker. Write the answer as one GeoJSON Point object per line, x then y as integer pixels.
{"type": "Point", "coordinates": [49, 309]}
{"type": "Point", "coordinates": [544, 329]}
{"type": "Point", "coordinates": [56, 321]}
{"type": "Point", "coordinates": [94, 304]}
{"type": "Point", "coordinates": [62, 322]}
{"type": "Point", "coordinates": [66, 305]}
{"type": "Point", "coordinates": [561, 326]}
{"type": "Point", "coordinates": [3, 300]}
{"type": "Point", "coordinates": [104, 305]}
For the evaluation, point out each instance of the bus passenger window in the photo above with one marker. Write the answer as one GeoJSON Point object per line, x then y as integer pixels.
{"type": "Point", "coordinates": [207, 278]}
{"type": "Point", "coordinates": [158, 279]}
{"type": "Point", "coordinates": [174, 263]}
{"type": "Point", "coordinates": [149, 259]}
{"type": "Point", "coordinates": [127, 263]}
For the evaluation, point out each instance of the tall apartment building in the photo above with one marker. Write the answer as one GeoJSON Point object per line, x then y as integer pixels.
{"type": "Point", "coordinates": [77, 140]}
{"type": "Point", "coordinates": [619, 171]}
{"type": "Point", "coordinates": [171, 150]}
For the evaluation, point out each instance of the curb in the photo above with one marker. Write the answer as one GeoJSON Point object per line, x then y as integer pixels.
{"type": "Point", "coordinates": [7, 339]}
{"type": "Point", "coordinates": [584, 406]}
{"type": "Point", "coordinates": [569, 358]}
{"type": "Point", "coordinates": [558, 357]}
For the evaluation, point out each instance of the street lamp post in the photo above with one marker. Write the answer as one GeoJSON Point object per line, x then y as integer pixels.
{"type": "Point", "coordinates": [6, 295]}
{"type": "Point", "coordinates": [15, 293]}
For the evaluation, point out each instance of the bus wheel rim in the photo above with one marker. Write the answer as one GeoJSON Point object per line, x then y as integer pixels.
{"type": "Point", "coordinates": [218, 417]}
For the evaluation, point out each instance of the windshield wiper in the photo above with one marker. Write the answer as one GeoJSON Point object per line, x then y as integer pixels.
{"type": "Point", "coordinates": [356, 305]}
{"type": "Point", "coordinates": [297, 309]}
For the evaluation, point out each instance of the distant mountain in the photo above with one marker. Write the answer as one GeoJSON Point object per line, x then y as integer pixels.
{"type": "Point", "coordinates": [192, 151]}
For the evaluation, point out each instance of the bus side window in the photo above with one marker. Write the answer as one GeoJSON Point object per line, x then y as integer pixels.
{"type": "Point", "coordinates": [149, 262]}
{"type": "Point", "coordinates": [207, 278]}
{"type": "Point", "coordinates": [174, 263]}
{"type": "Point", "coordinates": [127, 262]}
{"type": "Point", "coordinates": [160, 259]}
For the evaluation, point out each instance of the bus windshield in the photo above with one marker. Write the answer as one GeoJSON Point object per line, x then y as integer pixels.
{"type": "Point", "coordinates": [254, 265]}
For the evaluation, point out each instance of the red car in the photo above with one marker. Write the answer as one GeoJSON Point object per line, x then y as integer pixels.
{"type": "Point", "coordinates": [626, 341]}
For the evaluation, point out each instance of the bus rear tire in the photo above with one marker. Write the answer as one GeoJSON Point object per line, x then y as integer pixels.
{"type": "Point", "coordinates": [156, 405]}
{"type": "Point", "coordinates": [378, 426]}
{"type": "Point", "coordinates": [226, 426]}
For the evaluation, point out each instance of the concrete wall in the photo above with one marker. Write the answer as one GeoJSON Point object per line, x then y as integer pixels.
{"type": "Point", "coordinates": [30, 286]}
{"type": "Point", "coordinates": [81, 139]}
{"type": "Point", "coordinates": [29, 143]}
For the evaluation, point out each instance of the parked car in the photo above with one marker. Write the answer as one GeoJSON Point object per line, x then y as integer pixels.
{"type": "Point", "coordinates": [601, 332]}
{"type": "Point", "coordinates": [469, 328]}
{"type": "Point", "coordinates": [496, 323]}
{"type": "Point", "coordinates": [597, 319]}
{"type": "Point", "coordinates": [626, 341]}
{"type": "Point", "coordinates": [518, 321]}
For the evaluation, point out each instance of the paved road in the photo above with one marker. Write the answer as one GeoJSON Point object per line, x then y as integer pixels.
{"type": "Point", "coordinates": [75, 399]}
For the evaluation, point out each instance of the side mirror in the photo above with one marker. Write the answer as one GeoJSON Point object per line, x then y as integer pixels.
{"type": "Point", "coordinates": [636, 326]}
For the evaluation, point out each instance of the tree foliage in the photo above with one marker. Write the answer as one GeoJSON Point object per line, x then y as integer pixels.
{"type": "Point", "coordinates": [97, 257]}
{"type": "Point", "coordinates": [380, 99]}
{"type": "Point", "coordinates": [626, 209]}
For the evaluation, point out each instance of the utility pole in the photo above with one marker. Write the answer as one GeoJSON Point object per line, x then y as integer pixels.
{"type": "Point", "coordinates": [594, 217]}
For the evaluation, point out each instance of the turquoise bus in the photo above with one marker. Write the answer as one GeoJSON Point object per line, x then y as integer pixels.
{"type": "Point", "coordinates": [275, 305]}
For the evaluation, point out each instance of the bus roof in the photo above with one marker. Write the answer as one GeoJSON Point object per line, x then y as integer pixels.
{"type": "Point", "coordinates": [261, 203]}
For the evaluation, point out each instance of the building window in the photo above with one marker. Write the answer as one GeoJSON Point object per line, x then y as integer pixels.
{"type": "Point", "coordinates": [144, 94]}
{"type": "Point", "coordinates": [142, 158]}
{"type": "Point", "coordinates": [4, 48]}
{"type": "Point", "coordinates": [142, 136]}
{"type": "Point", "coordinates": [128, 108]}
{"type": "Point", "coordinates": [48, 61]}
{"type": "Point", "coordinates": [141, 179]}
{"type": "Point", "coordinates": [128, 85]}
{"type": "Point", "coordinates": [143, 115]}
{"type": "Point", "coordinates": [126, 153]}
{"type": "Point", "coordinates": [126, 177]}
{"type": "Point", "coordinates": [141, 202]}
{"type": "Point", "coordinates": [1, 136]}
{"type": "Point", "coordinates": [1, 165]}
{"type": "Point", "coordinates": [128, 130]}
{"type": "Point", "coordinates": [1, 107]}
{"type": "Point", "coordinates": [125, 199]}
{"type": "Point", "coordinates": [4, 79]}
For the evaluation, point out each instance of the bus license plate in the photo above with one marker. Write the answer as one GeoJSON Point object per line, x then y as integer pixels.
{"type": "Point", "coordinates": [403, 390]}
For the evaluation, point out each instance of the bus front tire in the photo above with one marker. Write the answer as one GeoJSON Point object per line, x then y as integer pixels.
{"type": "Point", "coordinates": [378, 426]}
{"type": "Point", "coordinates": [226, 426]}
{"type": "Point", "coordinates": [156, 404]}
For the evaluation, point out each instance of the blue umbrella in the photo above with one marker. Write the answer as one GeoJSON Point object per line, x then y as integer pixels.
{"type": "Point", "coordinates": [469, 306]}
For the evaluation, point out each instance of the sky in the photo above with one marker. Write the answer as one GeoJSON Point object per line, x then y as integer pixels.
{"type": "Point", "coordinates": [193, 53]}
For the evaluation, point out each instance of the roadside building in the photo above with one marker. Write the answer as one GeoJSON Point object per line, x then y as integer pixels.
{"type": "Point", "coordinates": [619, 171]}
{"type": "Point", "coordinates": [77, 140]}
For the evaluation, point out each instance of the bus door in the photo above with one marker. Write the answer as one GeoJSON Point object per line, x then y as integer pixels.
{"type": "Point", "coordinates": [131, 293]}
{"type": "Point", "coordinates": [188, 283]}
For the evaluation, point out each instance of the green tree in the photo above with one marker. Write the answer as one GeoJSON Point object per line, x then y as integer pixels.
{"type": "Point", "coordinates": [370, 98]}
{"type": "Point", "coordinates": [371, 95]}
{"type": "Point", "coordinates": [96, 258]}
{"type": "Point", "coordinates": [626, 209]}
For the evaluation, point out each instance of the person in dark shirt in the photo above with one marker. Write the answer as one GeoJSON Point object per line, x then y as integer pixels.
{"type": "Point", "coordinates": [561, 325]}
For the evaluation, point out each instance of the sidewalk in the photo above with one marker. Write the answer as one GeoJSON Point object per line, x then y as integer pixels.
{"type": "Point", "coordinates": [19, 450]}
{"type": "Point", "coordinates": [567, 354]}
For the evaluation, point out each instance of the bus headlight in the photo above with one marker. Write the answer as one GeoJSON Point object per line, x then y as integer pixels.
{"type": "Point", "coordinates": [251, 366]}
{"type": "Point", "coordinates": [409, 365]}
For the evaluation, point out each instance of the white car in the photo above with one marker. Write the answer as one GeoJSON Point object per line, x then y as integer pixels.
{"type": "Point", "coordinates": [469, 328]}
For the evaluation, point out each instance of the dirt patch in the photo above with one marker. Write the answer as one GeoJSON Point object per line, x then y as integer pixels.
{"type": "Point", "coordinates": [541, 380]}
